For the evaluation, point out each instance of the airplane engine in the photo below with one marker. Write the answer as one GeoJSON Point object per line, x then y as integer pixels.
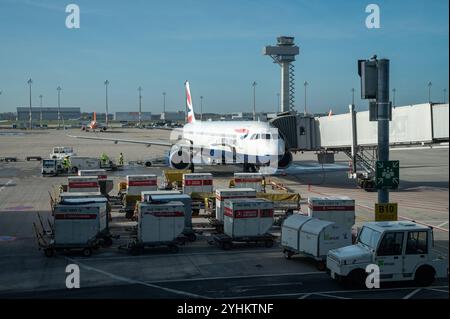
{"type": "Point", "coordinates": [179, 157]}
{"type": "Point", "coordinates": [285, 160]}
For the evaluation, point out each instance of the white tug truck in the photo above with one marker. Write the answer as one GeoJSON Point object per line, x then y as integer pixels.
{"type": "Point", "coordinates": [402, 251]}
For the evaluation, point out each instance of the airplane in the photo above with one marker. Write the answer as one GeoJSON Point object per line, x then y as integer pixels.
{"type": "Point", "coordinates": [93, 125]}
{"type": "Point", "coordinates": [251, 143]}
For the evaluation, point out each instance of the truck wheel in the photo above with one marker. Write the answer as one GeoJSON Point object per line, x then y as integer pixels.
{"type": "Point", "coordinates": [49, 252]}
{"type": "Point", "coordinates": [424, 276]}
{"type": "Point", "coordinates": [355, 279]}
{"type": "Point", "coordinates": [87, 252]}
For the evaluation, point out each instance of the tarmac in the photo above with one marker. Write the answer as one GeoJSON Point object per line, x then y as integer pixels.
{"type": "Point", "coordinates": [198, 270]}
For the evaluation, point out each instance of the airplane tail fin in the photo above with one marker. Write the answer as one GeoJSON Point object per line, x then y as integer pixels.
{"type": "Point", "coordinates": [95, 117]}
{"type": "Point", "coordinates": [190, 108]}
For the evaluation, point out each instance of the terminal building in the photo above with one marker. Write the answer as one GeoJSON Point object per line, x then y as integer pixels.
{"type": "Point", "coordinates": [48, 113]}
{"type": "Point", "coordinates": [132, 116]}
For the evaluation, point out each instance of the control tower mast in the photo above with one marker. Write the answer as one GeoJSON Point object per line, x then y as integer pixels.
{"type": "Point", "coordinates": [284, 54]}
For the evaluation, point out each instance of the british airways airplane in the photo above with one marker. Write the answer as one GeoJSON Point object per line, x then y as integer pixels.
{"type": "Point", "coordinates": [251, 143]}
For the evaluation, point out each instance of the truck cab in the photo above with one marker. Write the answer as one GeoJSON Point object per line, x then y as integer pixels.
{"type": "Point", "coordinates": [402, 251]}
{"type": "Point", "coordinates": [51, 167]}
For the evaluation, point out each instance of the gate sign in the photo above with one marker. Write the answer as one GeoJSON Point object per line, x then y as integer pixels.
{"type": "Point", "coordinates": [386, 212]}
{"type": "Point", "coordinates": [387, 174]}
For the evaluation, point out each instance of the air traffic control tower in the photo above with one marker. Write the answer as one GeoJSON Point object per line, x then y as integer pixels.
{"type": "Point", "coordinates": [284, 54]}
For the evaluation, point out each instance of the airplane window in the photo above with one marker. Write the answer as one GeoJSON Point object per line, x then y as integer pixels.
{"type": "Point", "coordinates": [266, 136]}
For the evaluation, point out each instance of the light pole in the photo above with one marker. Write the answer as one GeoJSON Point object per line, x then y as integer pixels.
{"type": "Point", "coordinates": [254, 100]}
{"type": "Point", "coordinates": [394, 91]}
{"type": "Point", "coordinates": [429, 91]}
{"type": "Point", "coordinates": [140, 105]}
{"type": "Point", "coordinates": [353, 96]}
{"type": "Point", "coordinates": [30, 114]}
{"type": "Point", "coordinates": [306, 85]}
{"type": "Point", "coordinates": [40, 110]}
{"type": "Point", "coordinates": [201, 107]}
{"type": "Point", "coordinates": [164, 103]}
{"type": "Point", "coordinates": [59, 106]}
{"type": "Point", "coordinates": [278, 103]}
{"type": "Point", "coordinates": [106, 102]}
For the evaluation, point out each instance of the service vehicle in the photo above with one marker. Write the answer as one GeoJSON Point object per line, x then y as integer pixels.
{"type": "Point", "coordinates": [402, 251]}
{"type": "Point", "coordinates": [59, 152]}
{"type": "Point", "coordinates": [52, 167]}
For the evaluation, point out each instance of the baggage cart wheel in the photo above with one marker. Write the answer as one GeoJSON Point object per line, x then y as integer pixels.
{"type": "Point", "coordinates": [87, 252]}
{"type": "Point", "coordinates": [288, 254]}
{"type": "Point", "coordinates": [321, 265]}
{"type": "Point", "coordinates": [268, 243]}
{"type": "Point", "coordinates": [49, 252]}
{"type": "Point", "coordinates": [173, 249]}
{"type": "Point", "coordinates": [107, 242]}
{"type": "Point", "coordinates": [226, 245]}
{"type": "Point", "coordinates": [192, 237]}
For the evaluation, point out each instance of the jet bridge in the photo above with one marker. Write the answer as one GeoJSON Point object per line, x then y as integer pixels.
{"type": "Point", "coordinates": [353, 134]}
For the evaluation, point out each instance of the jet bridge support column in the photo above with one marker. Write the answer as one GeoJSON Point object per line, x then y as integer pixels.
{"type": "Point", "coordinates": [354, 146]}
{"type": "Point", "coordinates": [383, 120]}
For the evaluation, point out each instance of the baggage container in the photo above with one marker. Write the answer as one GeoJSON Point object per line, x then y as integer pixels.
{"type": "Point", "coordinates": [78, 223]}
{"type": "Point", "coordinates": [145, 196]}
{"type": "Point", "coordinates": [72, 195]}
{"type": "Point", "coordinates": [83, 184]}
{"type": "Point", "coordinates": [247, 217]}
{"type": "Point", "coordinates": [249, 180]}
{"type": "Point", "coordinates": [140, 183]}
{"type": "Point", "coordinates": [198, 183]}
{"type": "Point", "coordinates": [229, 193]}
{"type": "Point", "coordinates": [337, 209]}
{"type": "Point", "coordinates": [106, 185]}
{"type": "Point", "coordinates": [100, 173]}
{"type": "Point", "coordinates": [162, 222]}
{"type": "Point", "coordinates": [187, 202]}
{"type": "Point", "coordinates": [312, 237]}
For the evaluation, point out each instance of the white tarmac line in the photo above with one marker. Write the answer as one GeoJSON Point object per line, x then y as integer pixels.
{"type": "Point", "coordinates": [412, 293]}
{"type": "Point", "coordinates": [7, 183]}
{"type": "Point", "coordinates": [305, 296]}
{"type": "Point", "coordinates": [331, 296]}
{"type": "Point", "coordinates": [443, 224]}
{"type": "Point", "coordinates": [438, 290]}
{"type": "Point", "coordinates": [334, 292]}
{"type": "Point", "coordinates": [133, 281]}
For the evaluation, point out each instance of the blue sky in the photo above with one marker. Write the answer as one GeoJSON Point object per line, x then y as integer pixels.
{"type": "Point", "coordinates": [217, 46]}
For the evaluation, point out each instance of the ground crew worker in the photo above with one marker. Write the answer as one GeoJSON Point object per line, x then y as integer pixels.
{"type": "Point", "coordinates": [66, 163]}
{"type": "Point", "coordinates": [104, 159]}
{"type": "Point", "coordinates": [121, 159]}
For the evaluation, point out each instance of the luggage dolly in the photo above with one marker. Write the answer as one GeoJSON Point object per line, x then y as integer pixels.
{"type": "Point", "coordinates": [226, 242]}
{"type": "Point", "coordinates": [136, 247]}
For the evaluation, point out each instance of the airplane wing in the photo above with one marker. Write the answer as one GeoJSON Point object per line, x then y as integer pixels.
{"type": "Point", "coordinates": [117, 140]}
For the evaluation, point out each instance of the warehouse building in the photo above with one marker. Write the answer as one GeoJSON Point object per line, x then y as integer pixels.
{"type": "Point", "coordinates": [48, 113]}
{"type": "Point", "coordinates": [173, 116]}
{"type": "Point", "coordinates": [132, 116]}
